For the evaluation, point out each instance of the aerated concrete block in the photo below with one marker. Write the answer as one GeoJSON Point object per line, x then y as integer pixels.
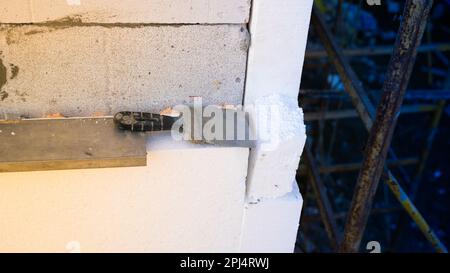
{"type": "Point", "coordinates": [81, 70]}
{"type": "Point", "coordinates": [130, 11]}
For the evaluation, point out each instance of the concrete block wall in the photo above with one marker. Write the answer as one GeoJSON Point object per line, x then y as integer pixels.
{"type": "Point", "coordinates": [130, 11]}
{"type": "Point", "coordinates": [82, 70]}
{"type": "Point", "coordinates": [85, 57]}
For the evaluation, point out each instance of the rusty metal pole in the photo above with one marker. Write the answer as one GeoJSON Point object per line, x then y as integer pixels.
{"type": "Point", "coordinates": [359, 98]}
{"type": "Point", "coordinates": [410, 34]}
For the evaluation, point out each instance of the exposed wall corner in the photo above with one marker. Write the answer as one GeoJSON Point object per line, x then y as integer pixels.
{"type": "Point", "coordinates": [279, 31]}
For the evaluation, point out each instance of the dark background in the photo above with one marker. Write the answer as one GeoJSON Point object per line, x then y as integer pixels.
{"type": "Point", "coordinates": [355, 24]}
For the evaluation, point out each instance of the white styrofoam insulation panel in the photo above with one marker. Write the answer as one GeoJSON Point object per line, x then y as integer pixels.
{"type": "Point", "coordinates": [129, 11]}
{"type": "Point", "coordinates": [81, 70]}
{"type": "Point", "coordinates": [189, 198]}
{"type": "Point", "coordinates": [274, 160]}
{"type": "Point", "coordinates": [279, 32]}
{"type": "Point", "coordinates": [271, 225]}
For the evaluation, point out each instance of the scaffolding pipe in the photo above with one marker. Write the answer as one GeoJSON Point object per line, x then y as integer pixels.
{"type": "Point", "coordinates": [323, 202]}
{"type": "Point", "coordinates": [350, 113]}
{"type": "Point", "coordinates": [350, 167]}
{"type": "Point", "coordinates": [428, 146]}
{"type": "Point", "coordinates": [343, 214]}
{"type": "Point", "coordinates": [348, 77]}
{"type": "Point", "coordinates": [399, 71]}
{"type": "Point", "coordinates": [424, 95]}
{"type": "Point", "coordinates": [355, 166]}
{"type": "Point", "coordinates": [374, 51]}
{"type": "Point", "coordinates": [412, 211]}
{"type": "Point", "coordinates": [354, 88]}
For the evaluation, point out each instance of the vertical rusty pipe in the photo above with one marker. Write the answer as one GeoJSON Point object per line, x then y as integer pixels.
{"type": "Point", "coordinates": [362, 104]}
{"type": "Point", "coordinates": [398, 74]}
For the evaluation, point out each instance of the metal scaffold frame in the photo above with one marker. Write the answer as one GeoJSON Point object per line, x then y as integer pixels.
{"type": "Point", "coordinates": [380, 122]}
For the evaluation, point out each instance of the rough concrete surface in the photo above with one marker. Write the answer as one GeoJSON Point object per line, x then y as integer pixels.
{"type": "Point", "coordinates": [130, 11]}
{"type": "Point", "coordinates": [81, 70]}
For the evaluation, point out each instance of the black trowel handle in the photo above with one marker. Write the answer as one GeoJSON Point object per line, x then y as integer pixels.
{"type": "Point", "coordinates": [143, 122]}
